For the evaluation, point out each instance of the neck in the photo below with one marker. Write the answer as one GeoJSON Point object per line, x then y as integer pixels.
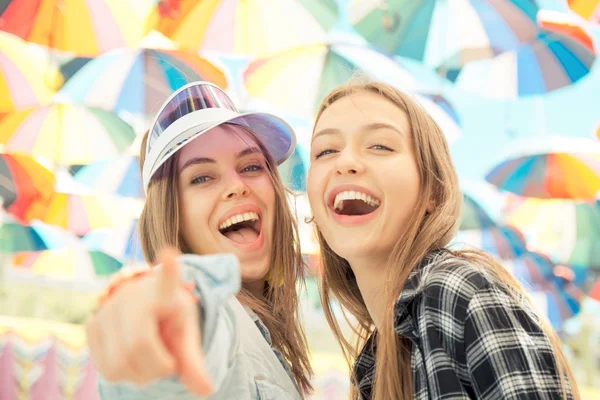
{"type": "Point", "coordinates": [371, 277]}
{"type": "Point", "coordinates": [257, 288]}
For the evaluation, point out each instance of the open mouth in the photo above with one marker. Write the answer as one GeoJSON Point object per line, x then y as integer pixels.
{"type": "Point", "coordinates": [242, 228]}
{"type": "Point", "coordinates": [354, 203]}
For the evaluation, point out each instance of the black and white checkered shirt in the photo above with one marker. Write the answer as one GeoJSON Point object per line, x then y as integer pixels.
{"type": "Point", "coordinates": [470, 338]}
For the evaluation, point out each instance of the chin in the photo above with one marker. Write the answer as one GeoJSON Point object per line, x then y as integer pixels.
{"type": "Point", "coordinates": [253, 270]}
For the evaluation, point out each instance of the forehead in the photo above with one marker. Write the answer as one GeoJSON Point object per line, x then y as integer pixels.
{"type": "Point", "coordinates": [359, 109]}
{"type": "Point", "coordinates": [221, 140]}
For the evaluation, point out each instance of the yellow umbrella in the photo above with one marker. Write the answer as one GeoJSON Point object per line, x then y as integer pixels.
{"type": "Point", "coordinates": [78, 213]}
{"type": "Point", "coordinates": [84, 27]}
{"type": "Point", "coordinates": [26, 78]}
{"type": "Point", "coordinates": [252, 27]}
{"type": "Point", "coordinates": [66, 133]}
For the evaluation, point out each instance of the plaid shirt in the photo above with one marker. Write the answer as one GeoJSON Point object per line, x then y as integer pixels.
{"type": "Point", "coordinates": [470, 338]}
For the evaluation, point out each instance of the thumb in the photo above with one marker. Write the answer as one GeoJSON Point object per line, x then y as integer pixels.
{"type": "Point", "coordinates": [168, 278]}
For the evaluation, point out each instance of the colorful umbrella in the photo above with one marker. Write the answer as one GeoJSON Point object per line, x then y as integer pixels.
{"type": "Point", "coordinates": [474, 216]}
{"type": "Point", "coordinates": [137, 81]}
{"type": "Point", "coordinates": [66, 133]}
{"type": "Point", "coordinates": [595, 291]}
{"type": "Point", "coordinates": [22, 181]}
{"type": "Point", "coordinates": [444, 104]}
{"type": "Point", "coordinates": [119, 177]}
{"type": "Point", "coordinates": [16, 237]}
{"type": "Point", "coordinates": [122, 242]}
{"type": "Point", "coordinates": [551, 168]}
{"type": "Point", "coordinates": [561, 54]}
{"type": "Point", "coordinates": [296, 80]}
{"type": "Point", "coordinates": [557, 304]}
{"type": "Point", "coordinates": [72, 263]}
{"type": "Point", "coordinates": [531, 269]}
{"type": "Point", "coordinates": [78, 213]}
{"type": "Point", "coordinates": [568, 231]}
{"type": "Point", "coordinates": [588, 9]}
{"type": "Point", "coordinates": [293, 171]}
{"type": "Point", "coordinates": [251, 27]}
{"type": "Point", "coordinates": [504, 242]}
{"type": "Point", "coordinates": [26, 79]}
{"type": "Point", "coordinates": [446, 34]}
{"type": "Point", "coordinates": [80, 26]}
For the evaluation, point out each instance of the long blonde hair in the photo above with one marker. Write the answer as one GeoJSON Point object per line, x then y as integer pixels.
{"type": "Point", "coordinates": [278, 308]}
{"type": "Point", "coordinates": [427, 232]}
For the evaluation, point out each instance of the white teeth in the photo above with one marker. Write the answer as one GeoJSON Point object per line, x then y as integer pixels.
{"type": "Point", "coordinates": [235, 219]}
{"type": "Point", "coordinates": [338, 203]}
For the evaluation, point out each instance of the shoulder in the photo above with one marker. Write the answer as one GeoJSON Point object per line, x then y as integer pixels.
{"type": "Point", "coordinates": [450, 279]}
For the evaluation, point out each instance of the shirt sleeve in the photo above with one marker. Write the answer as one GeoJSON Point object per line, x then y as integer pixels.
{"type": "Point", "coordinates": [508, 355]}
{"type": "Point", "coordinates": [216, 280]}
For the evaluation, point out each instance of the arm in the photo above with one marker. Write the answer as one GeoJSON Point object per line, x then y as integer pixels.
{"type": "Point", "coordinates": [508, 354]}
{"type": "Point", "coordinates": [215, 278]}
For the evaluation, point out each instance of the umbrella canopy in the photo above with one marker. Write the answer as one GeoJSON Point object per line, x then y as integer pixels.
{"type": "Point", "coordinates": [568, 231]}
{"type": "Point", "coordinates": [16, 237]}
{"type": "Point", "coordinates": [551, 169]}
{"type": "Point", "coordinates": [66, 133]}
{"type": "Point", "coordinates": [23, 181]}
{"type": "Point", "coordinates": [504, 242]}
{"type": "Point", "coordinates": [121, 242]}
{"type": "Point", "coordinates": [588, 9]}
{"type": "Point", "coordinates": [118, 177]}
{"type": "Point", "coordinates": [71, 263]}
{"type": "Point", "coordinates": [446, 34]}
{"type": "Point", "coordinates": [137, 81]}
{"type": "Point", "coordinates": [251, 27]}
{"type": "Point", "coordinates": [79, 26]}
{"type": "Point", "coordinates": [26, 77]}
{"type": "Point", "coordinates": [296, 80]}
{"type": "Point", "coordinates": [561, 54]}
{"type": "Point", "coordinates": [474, 216]}
{"type": "Point", "coordinates": [531, 268]}
{"type": "Point", "coordinates": [78, 213]}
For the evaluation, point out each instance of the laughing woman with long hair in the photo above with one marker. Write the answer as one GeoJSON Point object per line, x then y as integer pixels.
{"type": "Point", "coordinates": [433, 323]}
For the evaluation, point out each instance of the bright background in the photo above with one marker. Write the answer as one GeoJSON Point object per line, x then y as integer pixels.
{"type": "Point", "coordinates": [514, 84]}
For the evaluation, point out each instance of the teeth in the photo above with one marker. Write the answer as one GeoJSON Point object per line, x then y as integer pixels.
{"type": "Point", "coordinates": [236, 219]}
{"type": "Point", "coordinates": [338, 203]}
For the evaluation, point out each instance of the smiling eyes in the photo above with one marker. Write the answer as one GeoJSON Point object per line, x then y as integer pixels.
{"type": "Point", "coordinates": [246, 170]}
{"type": "Point", "coordinates": [378, 147]}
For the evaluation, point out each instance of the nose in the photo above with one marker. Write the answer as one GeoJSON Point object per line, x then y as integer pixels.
{"type": "Point", "coordinates": [348, 163]}
{"type": "Point", "coordinates": [236, 187]}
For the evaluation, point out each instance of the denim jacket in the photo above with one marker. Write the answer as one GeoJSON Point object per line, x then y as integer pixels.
{"type": "Point", "coordinates": [237, 346]}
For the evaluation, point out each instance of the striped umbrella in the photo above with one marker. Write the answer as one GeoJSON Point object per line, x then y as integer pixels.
{"type": "Point", "coordinates": [79, 26]}
{"type": "Point", "coordinates": [78, 213]}
{"type": "Point", "coordinates": [561, 54]}
{"type": "Point", "coordinates": [23, 181]}
{"type": "Point", "coordinates": [504, 242]}
{"type": "Point", "coordinates": [71, 263]}
{"type": "Point", "coordinates": [551, 168]}
{"type": "Point", "coordinates": [36, 236]}
{"type": "Point", "coordinates": [121, 242]}
{"type": "Point", "coordinates": [588, 9]}
{"type": "Point", "coordinates": [531, 268]}
{"type": "Point", "coordinates": [474, 216]}
{"type": "Point", "coordinates": [26, 79]}
{"type": "Point", "coordinates": [118, 177]}
{"type": "Point", "coordinates": [66, 133]}
{"type": "Point", "coordinates": [445, 34]}
{"type": "Point", "coordinates": [568, 231]}
{"type": "Point", "coordinates": [137, 81]}
{"type": "Point", "coordinates": [296, 80]}
{"type": "Point", "coordinates": [251, 27]}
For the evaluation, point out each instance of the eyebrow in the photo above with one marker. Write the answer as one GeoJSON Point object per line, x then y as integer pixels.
{"type": "Point", "coordinates": [206, 160]}
{"type": "Point", "coordinates": [369, 127]}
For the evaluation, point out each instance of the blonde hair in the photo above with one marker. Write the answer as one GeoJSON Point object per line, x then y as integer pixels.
{"type": "Point", "coordinates": [427, 232]}
{"type": "Point", "coordinates": [278, 308]}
